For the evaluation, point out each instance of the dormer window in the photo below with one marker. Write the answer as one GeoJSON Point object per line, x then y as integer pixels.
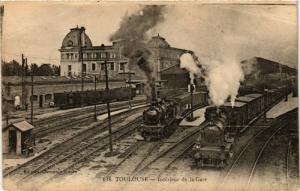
{"type": "Point", "coordinates": [70, 43]}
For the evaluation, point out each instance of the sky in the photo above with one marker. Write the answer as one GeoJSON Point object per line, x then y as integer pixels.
{"type": "Point", "coordinates": [212, 31]}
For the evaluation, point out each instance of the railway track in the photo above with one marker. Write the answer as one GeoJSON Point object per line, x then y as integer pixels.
{"type": "Point", "coordinates": [155, 165]}
{"type": "Point", "coordinates": [36, 164]}
{"type": "Point", "coordinates": [70, 119]}
{"type": "Point", "coordinates": [134, 159]}
{"type": "Point", "coordinates": [68, 162]}
{"type": "Point", "coordinates": [240, 173]}
{"type": "Point", "coordinates": [262, 150]}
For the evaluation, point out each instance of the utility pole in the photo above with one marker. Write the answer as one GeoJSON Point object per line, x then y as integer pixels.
{"type": "Point", "coordinates": [81, 59]}
{"type": "Point", "coordinates": [130, 88]}
{"type": "Point", "coordinates": [22, 83]}
{"type": "Point", "coordinates": [31, 98]}
{"type": "Point", "coordinates": [95, 98]}
{"type": "Point", "coordinates": [25, 92]}
{"type": "Point", "coordinates": [108, 106]}
{"type": "Point", "coordinates": [192, 90]}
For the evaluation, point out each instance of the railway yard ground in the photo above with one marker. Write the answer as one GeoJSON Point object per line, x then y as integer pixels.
{"type": "Point", "coordinates": [265, 156]}
{"type": "Point", "coordinates": [59, 125]}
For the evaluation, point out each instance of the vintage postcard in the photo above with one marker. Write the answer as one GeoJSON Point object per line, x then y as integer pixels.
{"type": "Point", "coordinates": [149, 96]}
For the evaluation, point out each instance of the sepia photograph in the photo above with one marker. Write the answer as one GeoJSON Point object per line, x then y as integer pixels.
{"type": "Point", "coordinates": [149, 96]}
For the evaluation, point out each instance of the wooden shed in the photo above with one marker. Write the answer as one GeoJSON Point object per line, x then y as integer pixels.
{"type": "Point", "coordinates": [16, 136]}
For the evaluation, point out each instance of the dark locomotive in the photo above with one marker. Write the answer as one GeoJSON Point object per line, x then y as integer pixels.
{"type": "Point", "coordinates": [161, 118]}
{"type": "Point", "coordinates": [224, 124]}
{"type": "Point", "coordinates": [76, 99]}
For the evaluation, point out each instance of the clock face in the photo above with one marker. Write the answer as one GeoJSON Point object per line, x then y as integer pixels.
{"type": "Point", "coordinates": [70, 43]}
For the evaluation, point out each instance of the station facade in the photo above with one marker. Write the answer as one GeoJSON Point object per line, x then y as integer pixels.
{"type": "Point", "coordinates": [79, 56]}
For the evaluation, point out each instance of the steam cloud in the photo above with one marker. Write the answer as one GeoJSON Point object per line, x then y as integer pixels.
{"type": "Point", "coordinates": [189, 62]}
{"type": "Point", "coordinates": [222, 77]}
{"type": "Point", "coordinates": [132, 34]}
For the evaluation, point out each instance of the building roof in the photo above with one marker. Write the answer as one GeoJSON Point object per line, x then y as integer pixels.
{"type": "Point", "coordinates": [74, 38]}
{"type": "Point", "coordinates": [21, 126]}
{"type": "Point", "coordinates": [158, 42]}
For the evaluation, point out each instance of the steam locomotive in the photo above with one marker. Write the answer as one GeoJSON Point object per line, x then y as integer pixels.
{"type": "Point", "coordinates": [224, 124]}
{"type": "Point", "coordinates": [161, 118]}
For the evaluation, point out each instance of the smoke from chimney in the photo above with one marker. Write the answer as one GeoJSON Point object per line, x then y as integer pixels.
{"type": "Point", "coordinates": [132, 33]}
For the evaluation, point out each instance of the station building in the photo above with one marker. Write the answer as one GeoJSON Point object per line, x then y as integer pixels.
{"type": "Point", "coordinates": [79, 55]}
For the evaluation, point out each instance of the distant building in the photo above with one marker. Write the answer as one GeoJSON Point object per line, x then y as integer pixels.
{"type": "Point", "coordinates": [162, 56]}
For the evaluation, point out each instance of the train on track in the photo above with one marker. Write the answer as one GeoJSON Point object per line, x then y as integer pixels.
{"type": "Point", "coordinates": [161, 117]}
{"type": "Point", "coordinates": [76, 99]}
{"type": "Point", "coordinates": [224, 124]}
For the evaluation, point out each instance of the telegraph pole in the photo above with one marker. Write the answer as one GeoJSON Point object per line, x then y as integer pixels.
{"type": "Point", "coordinates": [130, 88]}
{"type": "Point", "coordinates": [31, 99]}
{"type": "Point", "coordinates": [81, 59]}
{"type": "Point", "coordinates": [25, 94]}
{"type": "Point", "coordinates": [191, 90]}
{"type": "Point", "coordinates": [108, 106]}
{"type": "Point", "coordinates": [22, 82]}
{"type": "Point", "coordinates": [95, 98]}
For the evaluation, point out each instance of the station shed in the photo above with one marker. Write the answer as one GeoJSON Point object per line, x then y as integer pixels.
{"type": "Point", "coordinates": [16, 137]}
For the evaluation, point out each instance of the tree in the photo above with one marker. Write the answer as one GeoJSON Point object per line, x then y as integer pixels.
{"type": "Point", "coordinates": [12, 68]}
{"type": "Point", "coordinates": [44, 70]}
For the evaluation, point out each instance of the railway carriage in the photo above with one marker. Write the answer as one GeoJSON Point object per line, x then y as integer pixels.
{"type": "Point", "coordinates": [89, 97]}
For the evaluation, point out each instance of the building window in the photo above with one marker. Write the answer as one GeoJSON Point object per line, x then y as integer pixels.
{"type": "Point", "coordinates": [103, 55]}
{"type": "Point", "coordinates": [112, 55]}
{"type": "Point", "coordinates": [93, 67]}
{"type": "Point", "coordinates": [69, 70]}
{"type": "Point", "coordinates": [84, 68]}
{"type": "Point", "coordinates": [112, 66]}
{"type": "Point", "coordinates": [97, 55]}
{"type": "Point", "coordinates": [102, 66]}
{"type": "Point", "coordinates": [122, 66]}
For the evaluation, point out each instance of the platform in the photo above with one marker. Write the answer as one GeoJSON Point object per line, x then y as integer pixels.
{"type": "Point", "coordinates": [104, 116]}
{"type": "Point", "coordinates": [199, 114]}
{"type": "Point", "coordinates": [283, 107]}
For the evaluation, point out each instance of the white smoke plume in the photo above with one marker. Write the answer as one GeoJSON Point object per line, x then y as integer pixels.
{"type": "Point", "coordinates": [223, 78]}
{"type": "Point", "coordinates": [188, 62]}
